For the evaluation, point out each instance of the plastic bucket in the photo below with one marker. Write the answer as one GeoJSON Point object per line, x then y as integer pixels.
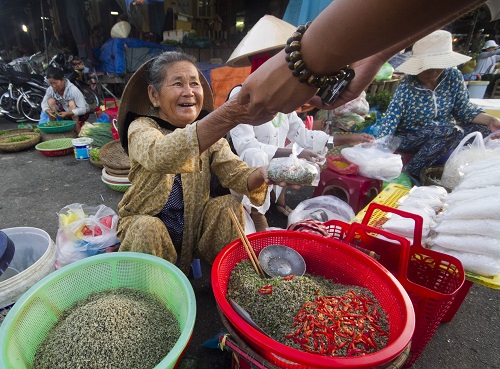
{"type": "Point", "coordinates": [33, 259]}
{"type": "Point", "coordinates": [82, 147]}
{"type": "Point", "coordinates": [477, 88]}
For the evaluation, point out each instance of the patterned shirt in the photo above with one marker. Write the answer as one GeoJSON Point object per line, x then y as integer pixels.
{"type": "Point", "coordinates": [414, 106]}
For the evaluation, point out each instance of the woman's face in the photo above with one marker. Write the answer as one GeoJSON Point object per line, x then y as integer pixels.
{"type": "Point", "coordinates": [430, 76]}
{"type": "Point", "coordinates": [56, 84]}
{"type": "Point", "coordinates": [180, 97]}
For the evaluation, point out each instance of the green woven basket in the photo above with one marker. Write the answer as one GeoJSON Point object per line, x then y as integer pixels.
{"type": "Point", "coordinates": [35, 313]}
{"type": "Point", "coordinates": [66, 125]}
{"type": "Point", "coordinates": [57, 147]}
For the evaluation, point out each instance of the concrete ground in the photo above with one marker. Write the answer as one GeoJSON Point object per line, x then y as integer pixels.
{"type": "Point", "coordinates": [33, 188]}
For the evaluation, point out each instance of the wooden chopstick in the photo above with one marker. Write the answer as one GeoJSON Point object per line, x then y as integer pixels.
{"type": "Point", "coordinates": [248, 248]}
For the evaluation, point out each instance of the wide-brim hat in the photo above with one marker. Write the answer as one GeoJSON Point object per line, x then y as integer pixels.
{"type": "Point", "coordinates": [489, 43]}
{"type": "Point", "coordinates": [434, 51]}
{"type": "Point", "coordinates": [135, 96]}
{"type": "Point", "coordinates": [268, 34]}
{"type": "Point", "coordinates": [121, 30]}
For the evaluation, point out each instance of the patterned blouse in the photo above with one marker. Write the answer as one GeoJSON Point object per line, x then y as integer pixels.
{"type": "Point", "coordinates": [157, 155]}
{"type": "Point", "coordinates": [414, 106]}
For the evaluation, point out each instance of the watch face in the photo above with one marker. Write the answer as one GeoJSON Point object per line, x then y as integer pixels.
{"type": "Point", "coordinates": [330, 93]}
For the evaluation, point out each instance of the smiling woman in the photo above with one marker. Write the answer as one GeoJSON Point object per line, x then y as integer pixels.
{"type": "Point", "coordinates": [175, 144]}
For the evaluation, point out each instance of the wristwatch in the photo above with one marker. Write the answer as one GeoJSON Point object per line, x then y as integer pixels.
{"type": "Point", "coordinates": [330, 93]}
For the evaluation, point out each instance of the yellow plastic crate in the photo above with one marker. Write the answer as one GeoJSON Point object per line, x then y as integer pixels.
{"type": "Point", "coordinates": [389, 196]}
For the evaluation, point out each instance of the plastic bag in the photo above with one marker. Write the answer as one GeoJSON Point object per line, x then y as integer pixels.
{"type": "Point", "coordinates": [385, 72]}
{"type": "Point", "coordinates": [293, 170]}
{"type": "Point", "coordinates": [462, 156]}
{"type": "Point", "coordinates": [44, 118]}
{"type": "Point", "coordinates": [376, 160]}
{"type": "Point", "coordinates": [322, 208]}
{"type": "Point", "coordinates": [84, 231]}
{"type": "Point", "coordinates": [492, 142]}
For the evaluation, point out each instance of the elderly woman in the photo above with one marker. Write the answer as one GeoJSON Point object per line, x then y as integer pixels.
{"type": "Point", "coordinates": [430, 110]}
{"type": "Point", "coordinates": [175, 145]}
{"type": "Point", "coordinates": [63, 99]}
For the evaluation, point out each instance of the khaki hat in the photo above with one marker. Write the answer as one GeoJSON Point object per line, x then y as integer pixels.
{"type": "Point", "coordinates": [269, 33]}
{"type": "Point", "coordinates": [121, 30]}
{"type": "Point", "coordinates": [434, 51]}
{"type": "Point", "coordinates": [135, 96]}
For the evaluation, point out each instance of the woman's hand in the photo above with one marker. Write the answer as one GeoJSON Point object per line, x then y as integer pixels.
{"type": "Point", "coordinates": [272, 88]}
{"type": "Point", "coordinates": [494, 125]}
{"type": "Point", "coordinates": [309, 156]}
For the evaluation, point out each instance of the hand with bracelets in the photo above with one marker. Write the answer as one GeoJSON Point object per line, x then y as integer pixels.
{"type": "Point", "coordinates": [363, 34]}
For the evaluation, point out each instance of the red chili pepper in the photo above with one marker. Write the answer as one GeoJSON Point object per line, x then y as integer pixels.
{"type": "Point", "coordinates": [289, 277]}
{"type": "Point", "coordinates": [266, 290]}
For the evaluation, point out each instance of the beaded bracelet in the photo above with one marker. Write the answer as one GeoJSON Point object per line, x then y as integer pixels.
{"type": "Point", "coordinates": [330, 86]}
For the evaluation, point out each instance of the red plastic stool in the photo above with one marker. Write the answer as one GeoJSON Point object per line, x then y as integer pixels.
{"type": "Point", "coordinates": [356, 190]}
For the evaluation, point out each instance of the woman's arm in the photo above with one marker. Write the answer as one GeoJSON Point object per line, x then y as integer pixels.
{"type": "Point", "coordinates": [493, 123]}
{"type": "Point", "coordinates": [348, 31]}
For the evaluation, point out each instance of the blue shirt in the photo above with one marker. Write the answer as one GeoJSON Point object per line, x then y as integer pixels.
{"type": "Point", "coordinates": [414, 106]}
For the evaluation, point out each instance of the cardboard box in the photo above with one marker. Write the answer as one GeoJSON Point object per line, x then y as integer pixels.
{"type": "Point", "coordinates": [183, 25]}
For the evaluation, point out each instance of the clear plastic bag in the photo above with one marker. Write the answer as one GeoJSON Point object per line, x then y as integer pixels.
{"type": "Point", "coordinates": [323, 209]}
{"type": "Point", "coordinates": [293, 170]}
{"type": "Point", "coordinates": [376, 160]}
{"type": "Point", "coordinates": [84, 231]}
{"type": "Point", "coordinates": [463, 155]}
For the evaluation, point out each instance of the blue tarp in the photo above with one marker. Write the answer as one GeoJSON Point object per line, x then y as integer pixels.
{"type": "Point", "coordinates": [112, 59]}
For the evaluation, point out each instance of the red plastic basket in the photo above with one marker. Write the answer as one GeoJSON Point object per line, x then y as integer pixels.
{"type": "Point", "coordinates": [332, 259]}
{"type": "Point", "coordinates": [432, 279]}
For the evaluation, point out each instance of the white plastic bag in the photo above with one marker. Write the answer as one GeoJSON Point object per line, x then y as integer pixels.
{"type": "Point", "coordinates": [293, 170]}
{"type": "Point", "coordinates": [322, 208]}
{"type": "Point", "coordinates": [376, 160]}
{"type": "Point", "coordinates": [475, 263]}
{"type": "Point", "coordinates": [463, 155]}
{"type": "Point", "coordinates": [84, 231]}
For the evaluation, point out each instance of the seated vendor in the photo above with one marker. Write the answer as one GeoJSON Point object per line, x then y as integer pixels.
{"type": "Point", "coordinates": [64, 100]}
{"type": "Point", "coordinates": [429, 103]}
{"type": "Point", "coordinates": [175, 144]}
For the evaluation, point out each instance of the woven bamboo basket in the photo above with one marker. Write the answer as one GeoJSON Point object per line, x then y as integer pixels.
{"type": "Point", "coordinates": [7, 146]}
{"type": "Point", "coordinates": [15, 131]}
{"type": "Point", "coordinates": [113, 156]}
{"type": "Point", "coordinates": [96, 163]}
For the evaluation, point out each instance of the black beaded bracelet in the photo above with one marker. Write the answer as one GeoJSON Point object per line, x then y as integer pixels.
{"type": "Point", "coordinates": [331, 85]}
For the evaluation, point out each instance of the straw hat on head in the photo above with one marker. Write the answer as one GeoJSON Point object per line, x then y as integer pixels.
{"type": "Point", "coordinates": [434, 51]}
{"type": "Point", "coordinates": [135, 96]}
{"type": "Point", "coordinates": [489, 43]}
{"type": "Point", "coordinates": [268, 34]}
{"type": "Point", "coordinates": [121, 30]}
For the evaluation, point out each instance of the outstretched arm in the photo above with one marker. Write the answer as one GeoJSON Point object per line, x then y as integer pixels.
{"type": "Point", "coordinates": [348, 31]}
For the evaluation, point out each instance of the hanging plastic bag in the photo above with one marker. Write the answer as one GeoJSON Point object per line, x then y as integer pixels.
{"type": "Point", "coordinates": [84, 231]}
{"type": "Point", "coordinates": [463, 155]}
{"type": "Point", "coordinates": [376, 160]}
{"type": "Point", "coordinates": [293, 170]}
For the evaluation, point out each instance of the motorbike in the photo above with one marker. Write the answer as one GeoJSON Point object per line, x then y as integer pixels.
{"type": "Point", "coordinates": [21, 95]}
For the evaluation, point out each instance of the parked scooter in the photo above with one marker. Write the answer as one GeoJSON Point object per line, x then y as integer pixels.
{"type": "Point", "coordinates": [20, 95]}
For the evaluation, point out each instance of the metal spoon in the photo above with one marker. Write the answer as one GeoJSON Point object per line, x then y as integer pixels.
{"type": "Point", "coordinates": [245, 315]}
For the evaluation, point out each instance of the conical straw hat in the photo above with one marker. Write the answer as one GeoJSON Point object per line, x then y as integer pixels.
{"type": "Point", "coordinates": [269, 33]}
{"type": "Point", "coordinates": [121, 30]}
{"type": "Point", "coordinates": [135, 96]}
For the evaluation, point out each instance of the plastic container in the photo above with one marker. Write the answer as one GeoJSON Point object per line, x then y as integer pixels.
{"type": "Point", "coordinates": [332, 259]}
{"type": "Point", "coordinates": [82, 146]}
{"type": "Point", "coordinates": [477, 88]}
{"type": "Point", "coordinates": [31, 318]}
{"type": "Point", "coordinates": [33, 259]}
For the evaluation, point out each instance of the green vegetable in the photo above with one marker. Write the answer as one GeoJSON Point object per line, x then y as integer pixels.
{"type": "Point", "coordinates": [94, 154]}
{"type": "Point", "coordinates": [385, 72]}
{"type": "Point", "coordinates": [381, 100]}
{"type": "Point", "coordinates": [100, 133]}
{"type": "Point", "coordinates": [18, 139]}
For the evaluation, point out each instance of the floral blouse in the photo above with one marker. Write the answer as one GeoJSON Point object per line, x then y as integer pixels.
{"type": "Point", "coordinates": [414, 106]}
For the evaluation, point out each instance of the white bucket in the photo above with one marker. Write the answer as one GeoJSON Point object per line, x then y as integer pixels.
{"type": "Point", "coordinates": [33, 259]}
{"type": "Point", "coordinates": [477, 88]}
{"type": "Point", "coordinates": [82, 146]}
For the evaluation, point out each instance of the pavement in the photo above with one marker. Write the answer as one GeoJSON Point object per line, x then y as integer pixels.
{"type": "Point", "coordinates": [33, 188]}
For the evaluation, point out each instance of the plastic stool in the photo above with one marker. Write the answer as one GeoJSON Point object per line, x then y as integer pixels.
{"type": "Point", "coordinates": [356, 190]}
